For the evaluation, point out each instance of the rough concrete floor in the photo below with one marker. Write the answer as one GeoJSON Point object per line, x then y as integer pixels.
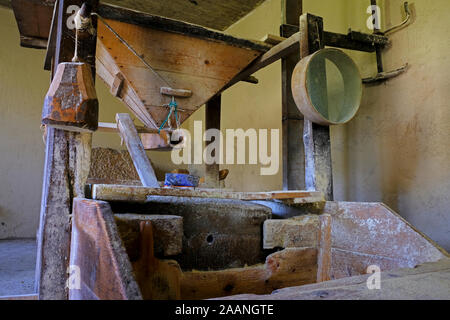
{"type": "Point", "coordinates": [17, 264]}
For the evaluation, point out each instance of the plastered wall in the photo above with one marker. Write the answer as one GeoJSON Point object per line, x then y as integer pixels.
{"type": "Point", "coordinates": [396, 150]}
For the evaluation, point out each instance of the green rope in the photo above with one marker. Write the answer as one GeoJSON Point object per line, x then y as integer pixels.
{"type": "Point", "coordinates": [173, 108]}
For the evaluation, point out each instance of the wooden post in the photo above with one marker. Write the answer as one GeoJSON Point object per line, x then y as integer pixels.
{"type": "Point", "coordinates": [316, 138]}
{"type": "Point", "coordinates": [67, 163]}
{"type": "Point", "coordinates": [292, 123]}
{"type": "Point", "coordinates": [212, 121]}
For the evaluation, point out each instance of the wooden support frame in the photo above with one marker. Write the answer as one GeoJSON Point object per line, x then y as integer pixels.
{"type": "Point", "coordinates": [292, 124]}
{"type": "Point", "coordinates": [67, 163]}
{"type": "Point", "coordinates": [316, 138]}
{"type": "Point", "coordinates": [212, 121]}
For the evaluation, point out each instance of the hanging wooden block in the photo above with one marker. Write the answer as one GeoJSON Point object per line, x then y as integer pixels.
{"type": "Point", "coordinates": [71, 101]}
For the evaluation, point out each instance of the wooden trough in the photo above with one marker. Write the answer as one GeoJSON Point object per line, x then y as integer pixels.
{"type": "Point", "coordinates": [199, 250]}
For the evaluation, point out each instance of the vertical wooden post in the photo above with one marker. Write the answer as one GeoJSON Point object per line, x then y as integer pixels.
{"type": "Point", "coordinates": [292, 123]}
{"type": "Point", "coordinates": [212, 121]}
{"type": "Point", "coordinates": [316, 138]}
{"type": "Point", "coordinates": [67, 163]}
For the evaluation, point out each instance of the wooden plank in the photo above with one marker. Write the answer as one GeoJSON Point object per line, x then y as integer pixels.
{"type": "Point", "coordinates": [51, 43]}
{"type": "Point", "coordinates": [67, 163]}
{"type": "Point", "coordinates": [281, 269]}
{"type": "Point", "coordinates": [97, 250]}
{"type": "Point", "coordinates": [427, 281]}
{"type": "Point", "coordinates": [316, 138]}
{"type": "Point", "coordinates": [180, 93]}
{"type": "Point", "coordinates": [134, 145]}
{"type": "Point", "coordinates": [175, 26]}
{"type": "Point", "coordinates": [292, 151]}
{"type": "Point", "coordinates": [139, 193]}
{"type": "Point", "coordinates": [212, 121]}
{"type": "Point", "coordinates": [111, 127]}
{"type": "Point", "coordinates": [272, 39]}
{"type": "Point", "coordinates": [32, 296]}
{"type": "Point", "coordinates": [282, 49]}
{"type": "Point", "coordinates": [156, 141]}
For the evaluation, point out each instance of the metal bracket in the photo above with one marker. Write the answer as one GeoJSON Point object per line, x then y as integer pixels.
{"type": "Point", "coordinates": [382, 76]}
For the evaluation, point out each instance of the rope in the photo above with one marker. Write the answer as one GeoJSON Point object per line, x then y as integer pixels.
{"type": "Point", "coordinates": [173, 109]}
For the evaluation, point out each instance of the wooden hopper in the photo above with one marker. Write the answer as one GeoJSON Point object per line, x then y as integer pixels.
{"type": "Point", "coordinates": [184, 56]}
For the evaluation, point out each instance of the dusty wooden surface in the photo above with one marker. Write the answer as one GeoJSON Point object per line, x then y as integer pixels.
{"type": "Point", "coordinates": [212, 121]}
{"type": "Point", "coordinates": [134, 145]}
{"type": "Point", "coordinates": [98, 254]}
{"type": "Point", "coordinates": [292, 125]}
{"type": "Point", "coordinates": [139, 194]}
{"type": "Point", "coordinates": [429, 281]}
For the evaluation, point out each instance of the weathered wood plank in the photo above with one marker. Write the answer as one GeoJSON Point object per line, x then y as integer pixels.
{"type": "Point", "coordinates": [67, 158]}
{"type": "Point", "coordinates": [97, 250]}
{"type": "Point", "coordinates": [139, 194]}
{"type": "Point", "coordinates": [427, 281]}
{"type": "Point", "coordinates": [316, 138]}
{"type": "Point", "coordinates": [282, 49]}
{"type": "Point", "coordinates": [281, 269]}
{"type": "Point", "coordinates": [212, 121]}
{"type": "Point", "coordinates": [134, 145]}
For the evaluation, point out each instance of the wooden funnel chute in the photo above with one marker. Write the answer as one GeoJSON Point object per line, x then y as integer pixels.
{"type": "Point", "coordinates": [184, 56]}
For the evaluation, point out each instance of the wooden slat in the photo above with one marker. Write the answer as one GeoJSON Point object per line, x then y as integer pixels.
{"type": "Point", "coordinates": [292, 151]}
{"type": "Point", "coordinates": [316, 138]}
{"type": "Point", "coordinates": [112, 128]}
{"type": "Point", "coordinates": [138, 193]}
{"type": "Point", "coordinates": [134, 145]}
{"type": "Point", "coordinates": [212, 121]}
{"type": "Point", "coordinates": [282, 49]}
